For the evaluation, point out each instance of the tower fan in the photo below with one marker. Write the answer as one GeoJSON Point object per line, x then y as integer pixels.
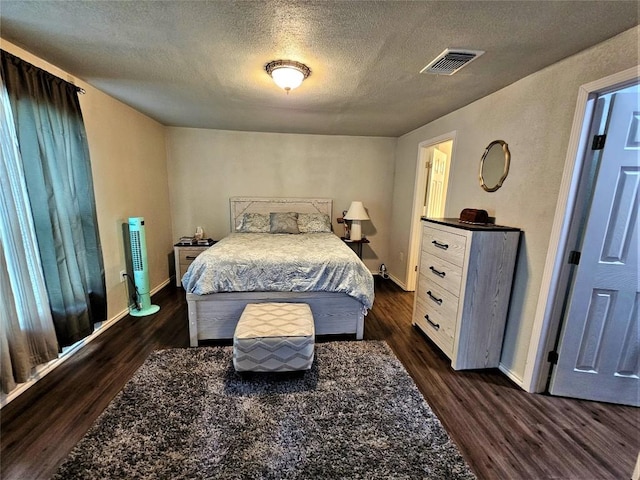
{"type": "Point", "coordinates": [138, 242]}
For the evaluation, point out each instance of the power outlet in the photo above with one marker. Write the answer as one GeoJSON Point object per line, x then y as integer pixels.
{"type": "Point", "coordinates": [402, 256]}
{"type": "Point", "coordinates": [123, 276]}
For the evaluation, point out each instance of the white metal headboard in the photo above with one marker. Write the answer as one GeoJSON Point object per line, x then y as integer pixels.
{"type": "Point", "coordinates": [240, 205]}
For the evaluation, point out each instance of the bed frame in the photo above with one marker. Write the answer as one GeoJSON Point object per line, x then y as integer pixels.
{"type": "Point", "coordinates": [215, 316]}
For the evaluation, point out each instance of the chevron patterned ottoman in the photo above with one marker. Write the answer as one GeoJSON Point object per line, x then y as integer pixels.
{"type": "Point", "coordinates": [274, 337]}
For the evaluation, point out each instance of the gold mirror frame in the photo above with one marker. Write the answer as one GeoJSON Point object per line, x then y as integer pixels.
{"type": "Point", "coordinates": [505, 171]}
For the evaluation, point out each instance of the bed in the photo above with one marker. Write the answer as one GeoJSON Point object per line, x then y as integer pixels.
{"type": "Point", "coordinates": [314, 268]}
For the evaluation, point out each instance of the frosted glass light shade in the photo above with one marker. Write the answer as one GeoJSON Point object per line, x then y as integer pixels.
{"type": "Point", "coordinates": [287, 74]}
{"type": "Point", "coordinates": [287, 78]}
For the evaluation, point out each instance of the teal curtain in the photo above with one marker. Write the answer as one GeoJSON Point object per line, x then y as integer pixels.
{"type": "Point", "coordinates": [27, 335]}
{"type": "Point", "coordinates": [57, 173]}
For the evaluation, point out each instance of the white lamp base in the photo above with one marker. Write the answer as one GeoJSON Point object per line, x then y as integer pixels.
{"type": "Point", "coordinates": [356, 231]}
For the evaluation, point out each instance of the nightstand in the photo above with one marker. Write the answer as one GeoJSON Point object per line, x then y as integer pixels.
{"type": "Point", "coordinates": [184, 256]}
{"type": "Point", "coordinates": [358, 244]}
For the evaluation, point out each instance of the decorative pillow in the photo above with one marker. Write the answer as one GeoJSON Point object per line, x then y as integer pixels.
{"type": "Point", "coordinates": [285, 222]}
{"type": "Point", "coordinates": [314, 223]}
{"type": "Point", "coordinates": [254, 223]}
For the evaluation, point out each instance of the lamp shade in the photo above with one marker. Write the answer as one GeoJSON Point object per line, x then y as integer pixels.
{"type": "Point", "coordinates": [356, 212]}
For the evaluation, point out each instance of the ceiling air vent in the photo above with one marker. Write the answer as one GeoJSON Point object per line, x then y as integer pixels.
{"type": "Point", "coordinates": [450, 61]}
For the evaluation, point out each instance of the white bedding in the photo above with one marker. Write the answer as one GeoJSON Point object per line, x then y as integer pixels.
{"type": "Point", "coordinates": [258, 262]}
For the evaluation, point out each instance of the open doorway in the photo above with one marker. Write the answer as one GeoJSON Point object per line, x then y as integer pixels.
{"type": "Point", "coordinates": [430, 192]}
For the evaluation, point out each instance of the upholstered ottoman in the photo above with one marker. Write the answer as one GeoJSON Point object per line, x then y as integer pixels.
{"type": "Point", "coordinates": [274, 337]}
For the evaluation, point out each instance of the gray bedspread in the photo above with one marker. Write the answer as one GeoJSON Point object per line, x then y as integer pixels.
{"type": "Point", "coordinates": [258, 262]}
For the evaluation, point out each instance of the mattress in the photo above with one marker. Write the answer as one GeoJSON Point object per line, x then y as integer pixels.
{"type": "Point", "coordinates": [264, 262]}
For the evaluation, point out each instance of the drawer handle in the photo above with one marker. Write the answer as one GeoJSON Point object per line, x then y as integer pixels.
{"type": "Point", "coordinates": [189, 257]}
{"type": "Point", "coordinates": [437, 272]}
{"type": "Point", "coordinates": [435, 299]}
{"type": "Point", "coordinates": [434, 325]}
{"type": "Point", "coordinates": [443, 246]}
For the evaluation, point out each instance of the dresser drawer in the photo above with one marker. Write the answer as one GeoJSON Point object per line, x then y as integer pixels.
{"type": "Point", "coordinates": [445, 245]}
{"type": "Point", "coordinates": [438, 328]}
{"type": "Point", "coordinates": [186, 256]}
{"type": "Point", "coordinates": [441, 300]}
{"type": "Point", "coordinates": [441, 272]}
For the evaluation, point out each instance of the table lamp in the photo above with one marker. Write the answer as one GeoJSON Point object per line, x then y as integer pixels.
{"type": "Point", "coordinates": [356, 214]}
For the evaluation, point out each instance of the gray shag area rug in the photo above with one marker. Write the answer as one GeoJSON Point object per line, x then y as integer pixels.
{"type": "Point", "coordinates": [186, 414]}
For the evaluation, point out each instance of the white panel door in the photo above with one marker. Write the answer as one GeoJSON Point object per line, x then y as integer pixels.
{"type": "Point", "coordinates": [599, 355]}
{"type": "Point", "coordinates": [436, 191]}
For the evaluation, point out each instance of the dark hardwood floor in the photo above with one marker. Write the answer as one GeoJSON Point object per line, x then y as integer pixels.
{"type": "Point", "coordinates": [503, 432]}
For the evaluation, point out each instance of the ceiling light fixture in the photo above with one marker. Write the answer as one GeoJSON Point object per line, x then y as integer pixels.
{"type": "Point", "coordinates": [287, 74]}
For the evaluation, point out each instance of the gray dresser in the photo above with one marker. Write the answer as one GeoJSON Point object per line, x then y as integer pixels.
{"type": "Point", "coordinates": [464, 284]}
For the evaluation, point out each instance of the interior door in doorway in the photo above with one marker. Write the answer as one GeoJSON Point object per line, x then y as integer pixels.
{"type": "Point", "coordinates": [599, 351]}
{"type": "Point", "coordinates": [430, 194]}
{"type": "Point", "coordinates": [436, 185]}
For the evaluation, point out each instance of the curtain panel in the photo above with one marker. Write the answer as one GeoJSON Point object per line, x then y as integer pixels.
{"type": "Point", "coordinates": [27, 335]}
{"type": "Point", "coordinates": [57, 173]}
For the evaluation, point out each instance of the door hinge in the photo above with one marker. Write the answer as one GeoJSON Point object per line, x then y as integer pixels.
{"type": "Point", "coordinates": [415, 269]}
{"type": "Point", "coordinates": [552, 357]}
{"type": "Point", "coordinates": [598, 142]}
{"type": "Point", "coordinates": [574, 258]}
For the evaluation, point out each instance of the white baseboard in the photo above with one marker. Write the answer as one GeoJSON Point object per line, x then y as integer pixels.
{"type": "Point", "coordinates": [512, 376]}
{"type": "Point", "coordinates": [160, 287]}
{"type": "Point", "coordinates": [397, 281]}
{"type": "Point", "coordinates": [42, 370]}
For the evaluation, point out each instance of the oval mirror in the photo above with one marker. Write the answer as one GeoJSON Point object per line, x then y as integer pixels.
{"type": "Point", "coordinates": [494, 165]}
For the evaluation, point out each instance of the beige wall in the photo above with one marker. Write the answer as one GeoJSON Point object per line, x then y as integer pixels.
{"type": "Point", "coordinates": [534, 117]}
{"type": "Point", "coordinates": [128, 161]}
{"type": "Point", "coordinates": [206, 167]}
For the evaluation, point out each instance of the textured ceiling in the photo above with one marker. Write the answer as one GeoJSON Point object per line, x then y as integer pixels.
{"type": "Point", "coordinates": [200, 63]}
